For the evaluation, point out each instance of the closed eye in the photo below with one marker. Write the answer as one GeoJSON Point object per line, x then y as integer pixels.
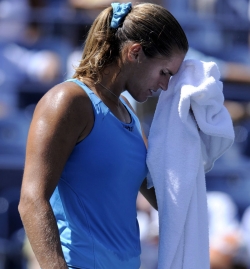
{"type": "Point", "coordinates": [163, 73]}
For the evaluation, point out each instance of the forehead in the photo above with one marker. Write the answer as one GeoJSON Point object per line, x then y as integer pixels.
{"type": "Point", "coordinates": [172, 63]}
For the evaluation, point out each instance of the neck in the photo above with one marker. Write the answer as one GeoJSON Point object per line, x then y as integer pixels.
{"type": "Point", "coordinates": [109, 90]}
{"type": "Point", "coordinates": [112, 81]}
{"type": "Point", "coordinates": [113, 94]}
{"type": "Point", "coordinates": [117, 102]}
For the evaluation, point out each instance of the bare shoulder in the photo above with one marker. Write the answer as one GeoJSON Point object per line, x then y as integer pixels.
{"type": "Point", "coordinates": [66, 103]}
{"type": "Point", "coordinates": [66, 97]}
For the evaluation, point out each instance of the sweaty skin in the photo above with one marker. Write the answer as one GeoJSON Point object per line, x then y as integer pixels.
{"type": "Point", "coordinates": [62, 118]}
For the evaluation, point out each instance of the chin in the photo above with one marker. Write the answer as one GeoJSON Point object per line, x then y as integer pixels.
{"type": "Point", "coordinates": [142, 99]}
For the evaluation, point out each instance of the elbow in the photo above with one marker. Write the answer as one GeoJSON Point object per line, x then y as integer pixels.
{"type": "Point", "coordinates": [23, 206]}
{"type": "Point", "coordinates": [28, 206]}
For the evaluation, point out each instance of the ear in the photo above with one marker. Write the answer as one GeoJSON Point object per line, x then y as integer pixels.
{"type": "Point", "coordinates": [134, 51]}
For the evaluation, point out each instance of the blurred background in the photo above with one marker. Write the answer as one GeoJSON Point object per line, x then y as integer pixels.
{"type": "Point", "coordinates": [40, 43]}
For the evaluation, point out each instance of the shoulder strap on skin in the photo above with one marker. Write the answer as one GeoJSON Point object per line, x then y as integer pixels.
{"type": "Point", "coordinates": [81, 84]}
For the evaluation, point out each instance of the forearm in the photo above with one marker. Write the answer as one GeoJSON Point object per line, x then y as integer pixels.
{"type": "Point", "coordinates": [41, 229]}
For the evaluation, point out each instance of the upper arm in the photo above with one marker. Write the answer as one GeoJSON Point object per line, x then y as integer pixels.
{"type": "Point", "coordinates": [61, 118]}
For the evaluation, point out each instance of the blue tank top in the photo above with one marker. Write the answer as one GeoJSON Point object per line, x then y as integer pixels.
{"type": "Point", "coordinates": [95, 200]}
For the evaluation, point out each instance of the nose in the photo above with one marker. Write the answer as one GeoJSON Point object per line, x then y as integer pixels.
{"type": "Point", "coordinates": [164, 84]}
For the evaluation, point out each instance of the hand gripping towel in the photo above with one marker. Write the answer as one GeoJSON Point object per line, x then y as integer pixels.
{"type": "Point", "coordinates": [191, 128]}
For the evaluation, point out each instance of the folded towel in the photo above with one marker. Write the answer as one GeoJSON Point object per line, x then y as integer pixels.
{"type": "Point", "coordinates": [191, 128]}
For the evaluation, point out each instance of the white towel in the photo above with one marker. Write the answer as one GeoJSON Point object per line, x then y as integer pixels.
{"type": "Point", "coordinates": [182, 146]}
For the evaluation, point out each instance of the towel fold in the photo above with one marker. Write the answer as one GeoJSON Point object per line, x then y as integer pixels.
{"type": "Point", "coordinates": [191, 128]}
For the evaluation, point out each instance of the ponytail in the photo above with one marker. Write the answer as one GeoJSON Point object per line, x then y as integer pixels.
{"type": "Point", "coordinates": [101, 47]}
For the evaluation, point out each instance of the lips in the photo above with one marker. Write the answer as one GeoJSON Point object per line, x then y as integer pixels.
{"type": "Point", "coordinates": [153, 92]}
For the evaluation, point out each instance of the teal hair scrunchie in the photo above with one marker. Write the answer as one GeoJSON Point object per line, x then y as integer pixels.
{"type": "Point", "coordinates": [119, 12]}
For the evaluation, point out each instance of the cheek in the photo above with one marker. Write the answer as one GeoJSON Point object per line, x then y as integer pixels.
{"type": "Point", "coordinates": [146, 71]}
{"type": "Point", "coordinates": [145, 78]}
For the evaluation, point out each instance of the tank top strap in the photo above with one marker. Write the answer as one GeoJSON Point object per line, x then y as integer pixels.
{"type": "Point", "coordinates": [95, 100]}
